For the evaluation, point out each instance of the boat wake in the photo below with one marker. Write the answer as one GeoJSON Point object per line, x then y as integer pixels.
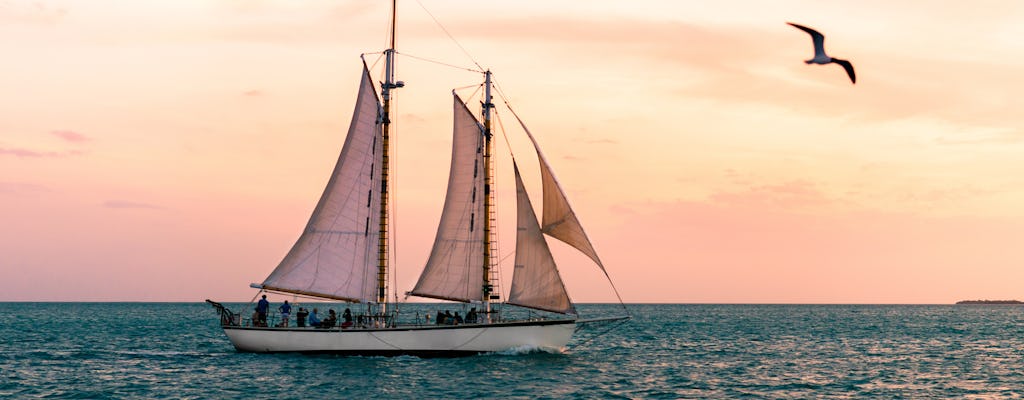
{"type": "Point", "coordinates": [522, 350]}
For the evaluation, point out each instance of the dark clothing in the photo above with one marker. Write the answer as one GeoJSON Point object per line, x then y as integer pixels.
{"type": "Point", "coordinates": [471, 316]}
{"type": "Point", "coordinates": [262, 307]}
{"type": "Point", "coordinates": [300, 318]}
{"type": "Point", "coordinates": [458, 319]}
{"type": "Point", "coordinates": [440, 318]}
{"type": "Point", "coordinates": [347, 316]}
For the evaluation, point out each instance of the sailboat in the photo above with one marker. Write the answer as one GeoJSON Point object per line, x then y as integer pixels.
{"type": "Point", "coordinates": [342, 254]}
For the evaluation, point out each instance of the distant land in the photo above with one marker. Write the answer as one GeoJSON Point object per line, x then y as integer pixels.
{"type": "Point", "coordinates": [989, 302]}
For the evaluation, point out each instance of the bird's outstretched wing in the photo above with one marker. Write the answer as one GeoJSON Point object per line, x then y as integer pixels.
{"type": "Point", "coordinates": [816, 37]}
{"type": "Point", "coordinates": [848, 67]}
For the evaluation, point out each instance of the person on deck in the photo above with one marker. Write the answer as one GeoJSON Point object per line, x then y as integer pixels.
{"type": "Point", "coordinates": [440, 318]}
{"type": "Point", "coordinates": [458, 318]}
{"type": "Point", "coordinates": [300, 317]}
{"type": "Point", "coordinates": [331, 320]}
{"type": "Point", "coordinates": [262, 307]}
{"type": "Point", "coordinates": [286, 311]}
{"type": "Point", "coordinates": [449, 318]}
{"type": "Point", "coordinates": [471, 316]}
{"type": "Point", "coordinates": [347, 316]}
{"type": "Point", "coordinates": [314, 320]}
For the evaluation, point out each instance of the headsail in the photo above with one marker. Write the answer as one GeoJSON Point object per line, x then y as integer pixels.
{"type": "Point", "coordinates": [336, 257]}
{"type": "Point", "coordinates": [535, 280]}
{"type": "Point", "coordinates": [455, 265]}
{"type": "Point", "coordinates": [560, 221]}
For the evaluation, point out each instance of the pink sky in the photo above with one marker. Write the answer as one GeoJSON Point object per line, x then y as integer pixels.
{"type": "Point", "coordinates": [172, 151]}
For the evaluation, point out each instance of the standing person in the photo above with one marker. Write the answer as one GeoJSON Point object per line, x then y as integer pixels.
{"type": "Point", "coordinates": [262, 307]}
{"type": "Point", "coordinates": [286, 311]}
{"type": "Point", "coordinates": [300, 317]}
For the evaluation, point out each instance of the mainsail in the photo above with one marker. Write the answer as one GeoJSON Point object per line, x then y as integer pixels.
{"type": "Point", "coordinates": [535, 280]}
{"type": "Point", "coordinates": [336, 255]}
{"type": "Point", "coordinates": [456, 261]}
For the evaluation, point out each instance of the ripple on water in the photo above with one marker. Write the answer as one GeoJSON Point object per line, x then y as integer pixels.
{"type": "Point", "coordinates": [666, 351]}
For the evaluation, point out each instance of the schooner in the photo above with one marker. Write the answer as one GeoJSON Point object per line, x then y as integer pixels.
{"type": "Point", "coordinates": [342, 254]}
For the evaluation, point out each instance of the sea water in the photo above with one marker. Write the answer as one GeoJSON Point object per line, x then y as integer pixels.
{"type": "Point", "coordinates": [159, 350]}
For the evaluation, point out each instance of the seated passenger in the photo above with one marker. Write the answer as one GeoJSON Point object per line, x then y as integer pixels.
{"type": "Point", "coordinates": [347, 316]}
{"type": "Point", "coordinates": [330, 321]}
{"type": "Point", "coordinates": [440, 318]}
{"type": "Point", "coordinates": [314, 319]}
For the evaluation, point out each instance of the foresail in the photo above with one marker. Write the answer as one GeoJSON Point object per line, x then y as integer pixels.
{"type": "Point", "coordinates": [454, 270]}
{"type": "Point", "coordinates": [336, 255]}
{"type": "Point", "coordinates": [560, 221]}
{"type": "Point", "coordinates": [535, 279]}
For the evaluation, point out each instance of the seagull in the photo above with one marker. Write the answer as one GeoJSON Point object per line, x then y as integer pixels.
{"type": "Point", "coordinates": [819, 52]}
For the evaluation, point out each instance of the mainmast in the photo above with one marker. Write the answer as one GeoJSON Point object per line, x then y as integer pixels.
{"type": "Point", "coordinates": [382, 246]}
{"type": "Point", "coordinates": [488, 288]}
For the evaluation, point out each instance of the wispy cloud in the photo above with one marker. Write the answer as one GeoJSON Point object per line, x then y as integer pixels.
{"type": "Point", "coordinates": [20, 188]}
{"type": "Point", "coordinates": [71, 136]}
{"type": "Point", "coordinates": [1005, 137]}
{"type": "Point", "coordinates": [792, 195]}
{"type": "Point", "coordinates": [123, 204]}
{"type": "Point", "coordinates": [26, 153]}
{"type": "Point", "coordinates": [31, 13]}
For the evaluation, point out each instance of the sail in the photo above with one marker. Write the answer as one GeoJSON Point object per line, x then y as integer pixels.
{"type": "Point", "coordinates": [454, 270]}
{"type": "Point", "coordinates": [336, 255]}
{"type": "Point", "coordinates": [535, 279]}
{"type": "Point", "coordinates": [560, 221]}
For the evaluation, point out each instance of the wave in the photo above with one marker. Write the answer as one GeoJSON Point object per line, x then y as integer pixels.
{"type": "Point", "coordinates": [521, 350]}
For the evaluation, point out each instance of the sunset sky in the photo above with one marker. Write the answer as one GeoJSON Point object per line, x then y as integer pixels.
{"type": "Point", "coordinates": [173, 150]}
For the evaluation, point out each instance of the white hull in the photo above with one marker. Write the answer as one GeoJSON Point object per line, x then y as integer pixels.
{"type": "Point", "coordinates": [440, 340]}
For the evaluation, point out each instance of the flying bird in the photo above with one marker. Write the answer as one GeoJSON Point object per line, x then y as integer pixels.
{"type": "Point", "coordinates": [819, 52]}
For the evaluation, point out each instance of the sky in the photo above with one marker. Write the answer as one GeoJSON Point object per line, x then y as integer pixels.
{"type": "Point", "coordinates": [173, 150]}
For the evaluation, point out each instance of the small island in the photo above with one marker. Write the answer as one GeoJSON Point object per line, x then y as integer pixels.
{"type": "Point", "coordinates": [989, 302]}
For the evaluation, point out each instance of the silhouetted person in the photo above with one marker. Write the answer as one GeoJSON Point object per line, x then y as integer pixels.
{"type": "Point", "coordinates": [300, 317]}
{"type": "Point", "coordinates": [347, 317]}
{"type": "Point", "coordinates": [286, 311]}
{"type": "Point", "coordinates": [330, 321]}
{"type": "Point", "coordinates": [262, 307]}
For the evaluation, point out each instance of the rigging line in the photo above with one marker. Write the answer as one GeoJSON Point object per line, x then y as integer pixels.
{"type": "Point", "coordinates": [597, 335]}
{"type": "Point", "coordinates": [380, 55]}
{"type": "Point", "coordinates": [393, 205]}
{"type": "Point", "coordinates": [438, 62]}
{"type": "Point", "coordinates": [449, 34]}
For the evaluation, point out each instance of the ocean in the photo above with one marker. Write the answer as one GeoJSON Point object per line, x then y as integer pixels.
{"type": "Point", "coordinates": [177, 350]}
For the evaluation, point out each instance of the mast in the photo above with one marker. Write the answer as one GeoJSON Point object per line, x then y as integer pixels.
{"type": "Point", "coordinates": [488, 200]}
{"type": "Point", "coordinates": [382, 245]}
